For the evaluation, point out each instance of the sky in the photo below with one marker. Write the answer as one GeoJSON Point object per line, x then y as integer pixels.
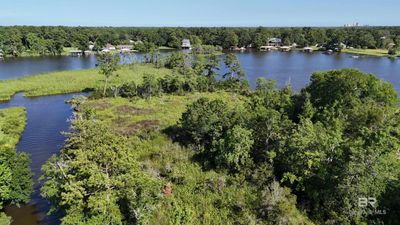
{"type": "Point", "coordinates": [270, 13]}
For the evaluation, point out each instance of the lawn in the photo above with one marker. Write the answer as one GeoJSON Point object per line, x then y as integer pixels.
{"type": "Point", "coordinates": [165, 48]}
{"type": "Point", "coordinates": [73, 81]}
{"type": "Point", "coordinates": [372, 52]}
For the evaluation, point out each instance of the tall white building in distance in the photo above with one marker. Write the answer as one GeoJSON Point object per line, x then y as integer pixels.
{"type": "Point", "coordinates": [355, 24]}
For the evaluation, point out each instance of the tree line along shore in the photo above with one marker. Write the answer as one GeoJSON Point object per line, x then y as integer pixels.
{"type": "Point", "coordinates": [30, 41]}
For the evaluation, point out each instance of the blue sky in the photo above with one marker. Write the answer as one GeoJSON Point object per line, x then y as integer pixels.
{"type": "Point", "coordinates": [199, 12]}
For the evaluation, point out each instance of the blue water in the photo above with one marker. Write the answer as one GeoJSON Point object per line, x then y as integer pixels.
{"type": "Point", "coordinates": [293, 67]}
{"type": "Point", "coordinates": [296, 67]}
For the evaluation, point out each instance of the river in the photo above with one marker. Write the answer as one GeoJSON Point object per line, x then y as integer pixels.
{"type": "Point", "coordinates": [295, 67]}
{"type": "Point", "coordinates": [48, 116]}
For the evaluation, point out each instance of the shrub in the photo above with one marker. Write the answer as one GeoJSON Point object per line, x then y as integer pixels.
{"type": "Point", "coordinates": [172, 84]}
{"type": "Point", "coordinates": [150, 87]}
{"type": "Point", "coordinates": [128, 90]}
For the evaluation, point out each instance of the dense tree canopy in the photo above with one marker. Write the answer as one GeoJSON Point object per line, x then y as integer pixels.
{"type": "Point", "coordinates": [330, 147]}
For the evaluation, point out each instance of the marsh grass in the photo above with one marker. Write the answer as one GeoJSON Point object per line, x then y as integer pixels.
{"type": "Point", "coordinates": [12, 124]}
{"type": "Point", "coordinates": [73, 81]}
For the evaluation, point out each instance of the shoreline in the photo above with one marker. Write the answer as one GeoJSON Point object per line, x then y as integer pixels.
{"type": "Point", "coordinates": [67, 53]}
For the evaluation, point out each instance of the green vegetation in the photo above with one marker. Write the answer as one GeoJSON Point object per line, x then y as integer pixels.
{"type": "Point", "coordinates": [186, 148]}
{"type": "Point", "coordinates": [108, 64]}
{"type": "Point", "coordinates": [73, 81]}
{"type": "Point", "coordinates": [372, 52]}
{"type": "Point", "coordinates": [170, 188]}
{"type": "Point", "coordinates": [15, 176]}
{"type": "Point", "coordinates": [165, 48]}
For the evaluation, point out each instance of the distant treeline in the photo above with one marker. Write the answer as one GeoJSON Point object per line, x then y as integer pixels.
{"type": "Point", "coordinates": [51, 40]}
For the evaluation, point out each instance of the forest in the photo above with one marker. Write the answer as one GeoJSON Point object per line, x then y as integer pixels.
{"type": "Point", "coordinates": [187, 147]}
{"type": "Point", "coordinates": [45, 40]}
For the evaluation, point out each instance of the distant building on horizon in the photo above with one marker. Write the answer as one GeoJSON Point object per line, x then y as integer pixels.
{"type": "Point", "coordinates": [355, 24]}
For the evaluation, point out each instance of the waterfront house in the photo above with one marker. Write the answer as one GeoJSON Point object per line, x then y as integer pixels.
{"type": "Point", "coordinates": [186, 44]}
{"type": "Point", "coordinates": [274, 42]}
{"type": "Point", "coordinates": [109, 47]}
